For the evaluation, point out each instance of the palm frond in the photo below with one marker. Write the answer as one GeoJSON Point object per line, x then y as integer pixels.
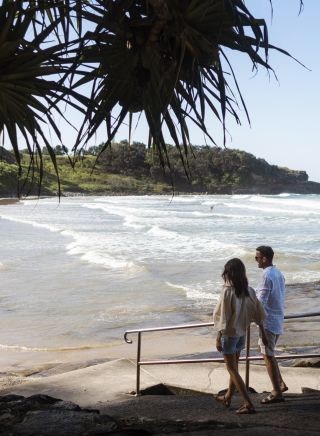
{"type": "Point", "coordinates": [163, 58]}
{"type": "Point", "coordinates": [27, 95]}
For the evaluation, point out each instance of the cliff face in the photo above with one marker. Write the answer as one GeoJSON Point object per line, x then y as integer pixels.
{"type": "Point", "coordinates": [125, 169]}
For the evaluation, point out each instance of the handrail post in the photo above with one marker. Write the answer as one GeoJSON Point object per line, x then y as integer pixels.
{"type": "Point", "coordinates": [138, 364]}
{"type": "Point", "coordinates": [247, 357]}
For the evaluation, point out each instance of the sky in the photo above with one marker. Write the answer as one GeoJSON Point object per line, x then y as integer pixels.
{"type": "Point", "coordinates": [285, 122]}
{"type": "Point", "coordinates": [284, 112]}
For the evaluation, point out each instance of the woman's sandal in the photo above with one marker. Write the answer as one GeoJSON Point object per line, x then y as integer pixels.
{"type": "Point", "coordinates": [223, 400]}
{"type": "Point", "coordinates": [246, 409]}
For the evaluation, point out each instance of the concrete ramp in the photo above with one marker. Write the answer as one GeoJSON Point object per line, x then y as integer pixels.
{"type": "Point", "coordinates": [99, 384]}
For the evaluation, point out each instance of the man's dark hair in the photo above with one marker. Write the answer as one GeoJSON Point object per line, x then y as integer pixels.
{"type": "Point", "coordinates": [266, 251]}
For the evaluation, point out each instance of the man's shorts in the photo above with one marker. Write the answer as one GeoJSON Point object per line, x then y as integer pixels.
{"type": "Point", "coordinates": [272, 341]}
{"type": "Point", "coordinates": [231, 345]}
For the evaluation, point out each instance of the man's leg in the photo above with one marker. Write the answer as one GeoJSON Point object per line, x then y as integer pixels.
{"type": "Point", "coordinates": [274, 374]}
{"type": "Point", "coordinates": [278, 385]}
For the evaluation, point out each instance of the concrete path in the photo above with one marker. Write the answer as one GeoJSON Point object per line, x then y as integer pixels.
{"type": "Point", "coordinates": [113, 381]}
{"type": "Point", "coordinates": [106, 387]}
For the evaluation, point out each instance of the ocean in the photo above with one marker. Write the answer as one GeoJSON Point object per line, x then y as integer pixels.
{"type": "Point", "coordinates": [76, 274]}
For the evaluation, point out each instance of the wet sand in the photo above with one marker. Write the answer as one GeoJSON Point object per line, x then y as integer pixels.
{"type": "Point", "coordinates": [4, 201]}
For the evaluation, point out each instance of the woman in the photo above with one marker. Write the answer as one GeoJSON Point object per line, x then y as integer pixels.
{"type": "Point", "coordinates": [238, 306]}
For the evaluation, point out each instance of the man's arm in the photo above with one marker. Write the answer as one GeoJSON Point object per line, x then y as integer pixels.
{"type": "Point", "coordinates": [264, 290]}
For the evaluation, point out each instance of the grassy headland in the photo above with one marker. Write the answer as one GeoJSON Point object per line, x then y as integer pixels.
{"type": "Point", "coordinates": [124, 169]}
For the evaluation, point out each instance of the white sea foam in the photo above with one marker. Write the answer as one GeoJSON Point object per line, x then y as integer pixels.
{"type": "Point", "coordinates": [284, 194]}
{"type": "Point", "coordinates": [276, 210]}
{"type": "Point", "coordinates": [196, 292]}
{"type": "Point", "coordinates": [289, 202]}
{"type": "Point", "coordinates": [191, 199]}
{"type": "Point", "coordinates": [87, 250]}
{"type": "Point", "coordinates": [240, 196]}
{"type": "Point", "coordinates": [166, 234]}
{"type": "Point", "coordinates": [302, 276]}
{"type": "Point", "coordinates": [50, 227]}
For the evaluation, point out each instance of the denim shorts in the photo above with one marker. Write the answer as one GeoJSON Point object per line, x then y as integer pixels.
{"type": "Point", "coordinates": [232, 344]}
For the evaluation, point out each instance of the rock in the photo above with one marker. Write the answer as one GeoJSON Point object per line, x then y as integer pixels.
{"type": "Point", "coordinates": [313, 362]}
{"type": "Point", "coordinates": [309, 391]}
{"type": "Point", "coordinates": [10, 398]}
{"type": "Point", "coordinates": [62, 422]}
{"type": "Point", "coordinates": [47, 416]}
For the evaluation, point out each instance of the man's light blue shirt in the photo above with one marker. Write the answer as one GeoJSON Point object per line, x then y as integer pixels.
{"type": "Point", "coordinates": [271, 292]}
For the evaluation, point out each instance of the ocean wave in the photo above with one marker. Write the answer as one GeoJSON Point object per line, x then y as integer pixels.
{"type": "Point", "coordinates": [50, 227]}
{"type": "Point", "coordinates": [196, 292]}
{"type": "Point", "coordinates": [212, 203]}
{"type": "Point", "coordinates": [164, 233]}
{"type": "Point", "coordinates": [190, 200]}
{"type": "Point", "coordinates": [240, 196]}
{"type": "Point", "coordinates": [277, 210]}
{"type": "Point", "coordinates": [302, 277]}
{"type": "Point", "coordinates": [92, 256]}
{"type": "Point", "coordinates": [288, 201]}
{"type": "Point", "coordinates": [134, 217]}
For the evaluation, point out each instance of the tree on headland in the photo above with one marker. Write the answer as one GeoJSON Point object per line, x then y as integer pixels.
{"type": "Point", "coordinates": [110, 59]}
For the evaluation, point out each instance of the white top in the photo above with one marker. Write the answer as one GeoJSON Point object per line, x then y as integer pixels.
{"type": "Point", "coordinates": [232, 315]}
{"type": "Point", "coordinates": [271, 292]}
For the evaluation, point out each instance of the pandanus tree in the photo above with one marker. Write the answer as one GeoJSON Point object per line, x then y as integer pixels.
{"type": "Point", "coordinates": [112, 59]}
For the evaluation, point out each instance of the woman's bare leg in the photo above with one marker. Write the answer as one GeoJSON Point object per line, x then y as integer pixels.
{"type": "Point", "coordinates": [236, 381]}
{"type": "Point", "coordinates": [232, 387]}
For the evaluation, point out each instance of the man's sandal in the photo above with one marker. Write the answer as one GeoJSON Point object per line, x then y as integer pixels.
{"type": "Point", "coordinates": [271, 399]}
{"type": "Point", "coordinates": [245, 409]}
{"type": "Point", "coordinates": [223, 400]}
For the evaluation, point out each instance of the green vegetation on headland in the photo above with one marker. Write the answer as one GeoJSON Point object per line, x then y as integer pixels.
{"type": "Point", "coordinates": [130, 169]}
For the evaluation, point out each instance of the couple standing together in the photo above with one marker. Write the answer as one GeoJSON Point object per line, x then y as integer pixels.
{"type": "Point", "coordinates": [238, 306]}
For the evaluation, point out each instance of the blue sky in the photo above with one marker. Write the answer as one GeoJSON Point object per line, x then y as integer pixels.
{"type": "Point", "coordinates": [284, 114]}
{"type": "Point", "coordinates": [285, 127]}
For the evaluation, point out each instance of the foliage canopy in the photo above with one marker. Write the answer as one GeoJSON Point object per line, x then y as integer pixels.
{"type": "Point", "coordinates": [109, 59]}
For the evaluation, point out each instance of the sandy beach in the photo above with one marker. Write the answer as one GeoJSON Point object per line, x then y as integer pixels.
{"type": "Point", "coordinates": [4, 201]}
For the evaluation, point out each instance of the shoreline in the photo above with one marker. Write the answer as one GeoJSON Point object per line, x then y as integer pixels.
{"type": "Point", "coordinates": [237, 191]}
{"type": "Point", "coordinates": [9, 200]}
{"type": "Point", "coordinates": [299, 335]}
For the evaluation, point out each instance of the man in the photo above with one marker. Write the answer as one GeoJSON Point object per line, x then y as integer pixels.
{"type": "Point", "coordinates": [271, 293]}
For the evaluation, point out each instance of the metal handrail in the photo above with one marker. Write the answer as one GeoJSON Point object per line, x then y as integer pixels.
{"type": "Point", "coordinates": [247, 357]}
{"type": "Point", "coordinates": [161, 329]}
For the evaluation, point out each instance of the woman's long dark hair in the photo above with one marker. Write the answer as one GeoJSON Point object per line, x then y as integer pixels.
{"type": "Point", "coordinates": [235, 273]}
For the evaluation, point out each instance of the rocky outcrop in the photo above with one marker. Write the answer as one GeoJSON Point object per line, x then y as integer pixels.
{"type": "Point", "coordinates": [159, 415]}
{"type": "Point", "coordinates": [48, 416]}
